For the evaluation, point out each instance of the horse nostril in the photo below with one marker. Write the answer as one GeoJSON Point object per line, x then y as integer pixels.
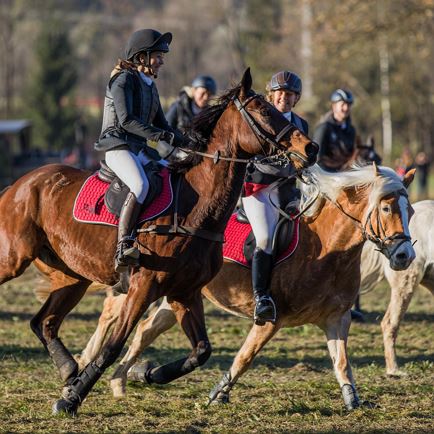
{"type": "Point", "coordinates": [312, 149]}
{"type": "Point", "coordinates": [401, 256]}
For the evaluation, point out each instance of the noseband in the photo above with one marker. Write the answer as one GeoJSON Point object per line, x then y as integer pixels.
{"type": "Point", "coordinates": [370, 233]}
{"type": "Point", "coordinates": [258, 131]}
{"type": "Point", "coordinates": [381, 242]}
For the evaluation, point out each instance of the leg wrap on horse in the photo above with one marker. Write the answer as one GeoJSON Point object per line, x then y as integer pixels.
{"type": "Point", "coordinates": [350, 396]}
{"type": "Point", "coordinates": [78, 389]}
{"type": "Point", "coordinates": [62, 358]}
{"type": "Point", "coordinates": [166, 373]}
{"type": "Point", "coordinates": [222, 389]}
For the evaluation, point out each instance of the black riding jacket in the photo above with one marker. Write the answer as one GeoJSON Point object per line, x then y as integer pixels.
{"type": "Point", "coordinates": [132, 115]}
{"type": "Point", "coordinates": [180, 114]}
{"type": "Point", "coordinates": [336, 142]}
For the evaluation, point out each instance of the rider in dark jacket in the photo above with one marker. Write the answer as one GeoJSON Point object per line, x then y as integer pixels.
{"type": "Point", "coordinates": [335, 134]}
{"type": "Point", "coordinates": [132, 116]}
{"type": "Point", "coordinates": [191, 101]}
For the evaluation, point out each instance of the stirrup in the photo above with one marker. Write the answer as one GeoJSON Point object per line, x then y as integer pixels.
{"type": "Point", "coordinates": [265, 313]}
{"type": "Point", "coordinates": [126, 255]}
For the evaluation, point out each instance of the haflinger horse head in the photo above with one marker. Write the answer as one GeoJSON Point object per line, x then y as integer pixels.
{"type": "Point", "coordinates": [387, 224]}
{"type": "Point", "coordinates": [272, 128]}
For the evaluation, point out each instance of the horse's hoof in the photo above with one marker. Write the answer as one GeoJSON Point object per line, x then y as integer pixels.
{"type": "Point", "coordinates": [220, 399]}
{"type": "Point", "coordinates": [118, 387]}
{"type": "Point", "coordinates": [397, 373]}
{"type": "Point", "coordinates": [62, 406]}
{"type": "Point", "coordinates": [357, 316]}
{"type": "Point", "coordinates": [351, 399]}
{"type": "Point", "coordinates": [138, 372]}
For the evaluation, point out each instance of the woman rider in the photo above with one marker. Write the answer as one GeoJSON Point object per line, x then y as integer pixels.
{"type": "Point", "coordinates": [284, 91]}
{"type": "Point", "coordinates": [132, 116]}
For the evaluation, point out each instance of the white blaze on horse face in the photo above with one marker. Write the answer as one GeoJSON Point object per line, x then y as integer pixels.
{"type": "Point", "coordinates": [404, 254]}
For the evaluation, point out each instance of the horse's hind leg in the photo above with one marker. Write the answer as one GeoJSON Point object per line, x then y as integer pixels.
{"type": "Point", "coordinates": [336, 329]}
{"type": "Point", "coordinates": [66, 293]}
{"type": "Point", "coordinates": [110, 313]}
{"type": "Point", "coordinates": [255, 341]}
{"type": "Point", "coordinates": [403, 285]}
{"type": "Point", "coordinates": [147, 331]}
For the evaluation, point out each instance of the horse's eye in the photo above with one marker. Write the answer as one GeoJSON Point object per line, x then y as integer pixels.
{"type": "Point", "coordinates": [386, 209]}
{"type": "Point", "coordinates": [264, 112]}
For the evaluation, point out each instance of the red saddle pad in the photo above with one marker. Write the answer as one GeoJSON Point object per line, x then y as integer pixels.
{"type": "Point", "coordinates": [236, 234]}
{"type": "Point", "coordinates": [89, 204]}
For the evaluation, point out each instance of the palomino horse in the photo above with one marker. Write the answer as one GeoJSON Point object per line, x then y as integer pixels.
{"type": "Point", "coordinates": [403, 284]}
{"type": "Point", "coordinates": [318, 284]}
{"type": "Point", "coordinates": [36, 222]}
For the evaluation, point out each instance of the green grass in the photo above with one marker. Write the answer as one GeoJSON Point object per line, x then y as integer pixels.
{"type": "Point", "coordinates": [291, 387]}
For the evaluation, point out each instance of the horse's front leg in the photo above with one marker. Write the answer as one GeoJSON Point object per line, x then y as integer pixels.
{"type": "Point", "coordinates": [402, 285]}
{"type": "Point", "coordinates": [189, 314]}
{"type": "Point", "coordinates": [110, 313]}
{"type": "Point", "coordinates": [336, 329]}
{"type": "Point", "coordinates": [143, 290]}
{"type": "Point", "coordinates": [255, 341]}
{"type": "Point", "coordinates": [147, 331]}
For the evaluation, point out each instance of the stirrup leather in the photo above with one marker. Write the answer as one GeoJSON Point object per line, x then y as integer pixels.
{"type": "Point", "coordinates": [259, 317]}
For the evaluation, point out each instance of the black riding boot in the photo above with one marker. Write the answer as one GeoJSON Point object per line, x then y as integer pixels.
{"type": "Point", "coordinates": [265, 309]}
{"type": "Point", "coordinates": [126, 253]}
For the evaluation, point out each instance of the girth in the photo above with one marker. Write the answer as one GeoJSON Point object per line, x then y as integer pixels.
{"type": "Point", "coordinates": [181, 230]}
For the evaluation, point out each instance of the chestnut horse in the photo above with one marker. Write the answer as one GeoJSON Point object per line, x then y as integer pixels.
{"type": "Point", "coordinates": [37, 222]}
{"type": "Point", "coordinates": [318, 284]}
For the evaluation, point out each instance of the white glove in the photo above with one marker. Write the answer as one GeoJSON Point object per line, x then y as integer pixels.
{"type": "Point", "coordinates": [165, 150]}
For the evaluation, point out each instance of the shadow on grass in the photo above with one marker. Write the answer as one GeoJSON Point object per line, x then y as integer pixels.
{"type": "Point", "coordinates": [219, 360]}
{"type": "Point", "coordinates": [375, 317]}
{"type": "Point", "coordinates": [25, 316]}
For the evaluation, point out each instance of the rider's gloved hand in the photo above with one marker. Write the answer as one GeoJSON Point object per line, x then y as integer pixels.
{"type": "Point", "coordinates": [166, 150]}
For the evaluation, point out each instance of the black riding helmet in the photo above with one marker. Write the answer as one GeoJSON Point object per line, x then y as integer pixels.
{"type": "Point", "coordinates": [342, 95]}
{"type": "Point", "coordinates": [147, 40]}
{"type": "Point", "coordinates": [205, 81]}
{"type": "Point", "coordinates": [286, 80]}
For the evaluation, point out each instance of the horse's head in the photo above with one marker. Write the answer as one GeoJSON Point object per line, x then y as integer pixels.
{"type": "Point", "coordinates": [387, 222]}
{"type": "Point", "coordinates": [264, 130]}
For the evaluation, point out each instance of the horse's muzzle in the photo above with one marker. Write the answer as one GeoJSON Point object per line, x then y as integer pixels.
{"type": "Point", "coordinates": [402, 259]}
{"type": "Point", "coordinates": [312, 149]}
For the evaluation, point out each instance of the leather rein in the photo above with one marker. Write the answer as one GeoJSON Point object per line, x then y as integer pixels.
{"type": "Point", "coordinates": [261, 135]}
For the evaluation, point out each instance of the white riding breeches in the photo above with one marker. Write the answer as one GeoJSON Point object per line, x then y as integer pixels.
{"type": "Point", "coordinates": [129, 169]}
{"type": "Point", "coordinates": [263, 216]}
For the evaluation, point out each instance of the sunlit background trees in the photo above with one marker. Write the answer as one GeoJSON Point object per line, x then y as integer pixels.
{"type": "Point", "coordinates": [56, 58]}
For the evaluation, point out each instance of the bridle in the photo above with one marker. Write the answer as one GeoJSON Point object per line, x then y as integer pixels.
{"type": "Point", "coordinates": [370, 234]}
{"type": "Point", "coordinates": [263, 136]}
{"type": "Point", "coordinates": [258, 131]}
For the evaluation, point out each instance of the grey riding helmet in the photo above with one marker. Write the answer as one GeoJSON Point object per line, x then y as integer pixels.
{"type": "Point", "coordinates": [286, 80]}
{"type": "Point", "coordinates": [342, 95]}
{"type": "Point", "coordinates": [205, 81]}
{"type": "Point", "coordinates": [147, 40]}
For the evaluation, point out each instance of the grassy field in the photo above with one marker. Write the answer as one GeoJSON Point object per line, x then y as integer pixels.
{"type": "Point", "coordinates": [290, 389]}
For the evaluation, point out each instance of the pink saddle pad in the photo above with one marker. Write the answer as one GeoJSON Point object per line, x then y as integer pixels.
{"type": "Point", "coordinates": [236, 234]}
{"type": "Point", "coordinates": [89, 204]}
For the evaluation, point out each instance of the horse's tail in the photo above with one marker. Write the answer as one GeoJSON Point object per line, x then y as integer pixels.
{"type": "Point", "coordinates": [43, 288]}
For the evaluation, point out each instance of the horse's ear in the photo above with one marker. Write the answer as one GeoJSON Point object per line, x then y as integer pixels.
{"type": "Point", "coordinates": [246, 83]}
{"type": "Point", "coordinates": [408, 177]}
{"type": "Point", "coordinates": [377, 172]}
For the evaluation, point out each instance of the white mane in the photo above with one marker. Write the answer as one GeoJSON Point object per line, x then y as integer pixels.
{"type": "Point", "coordinates": [330, 184]}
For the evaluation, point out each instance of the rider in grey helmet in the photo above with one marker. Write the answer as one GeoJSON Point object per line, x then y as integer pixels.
{"type": "Point", "coordinates": [335, 133]}
{"type": "Point", "coordinates": [283, 91]}
{"type": "Point", "coordinates": [191, 101]}
{"type": "Point", "coordinates": [132, 117]}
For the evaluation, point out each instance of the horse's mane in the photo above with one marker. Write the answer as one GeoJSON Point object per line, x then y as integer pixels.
{"type": "Point", "coordinates": [331, 184]}
{"type": "Point", "coordinates": [202, 129]}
